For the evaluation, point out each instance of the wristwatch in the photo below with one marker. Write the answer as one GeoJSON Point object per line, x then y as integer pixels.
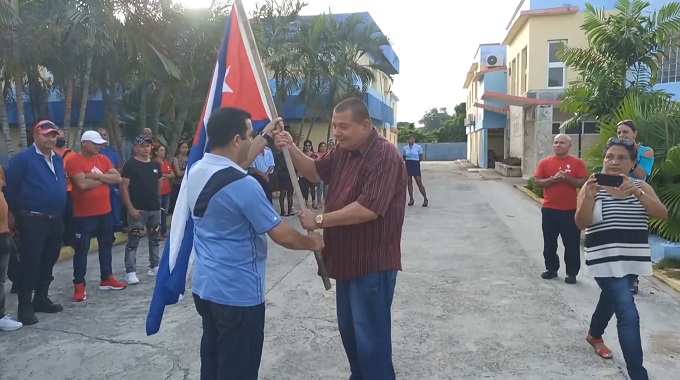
{"type": "Point", "coordinates": [267, 136]}
{"type": "Point", "coordinates": [319, 220]}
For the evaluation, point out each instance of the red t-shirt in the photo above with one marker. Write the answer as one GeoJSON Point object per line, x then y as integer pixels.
{"type": "Point", "coordinates": [560, 195]}
{"type": "Point", "coordinates": [166, 168]}
{"type": "Point", "coordinates": [90, 202]}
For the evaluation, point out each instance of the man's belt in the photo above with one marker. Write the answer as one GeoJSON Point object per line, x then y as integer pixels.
{"type": "Point", "coordinates": [39, 214]}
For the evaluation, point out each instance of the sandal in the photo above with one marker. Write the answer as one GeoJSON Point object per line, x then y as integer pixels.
{"type": "Point", "coordinates": [600, 348]}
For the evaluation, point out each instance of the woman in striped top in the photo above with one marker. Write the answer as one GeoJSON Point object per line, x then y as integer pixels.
{"type": "Point", "coordinates": [617, 249]}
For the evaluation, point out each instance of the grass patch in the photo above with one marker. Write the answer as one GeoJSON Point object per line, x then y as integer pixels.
{"type": "Point", "coordinates": [674, 274]}
{"type": "Point", "coordinates": [669, 263]}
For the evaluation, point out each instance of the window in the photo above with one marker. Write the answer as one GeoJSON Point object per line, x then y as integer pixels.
{"type": "Point", "coordinates": [557, 72]}
{"type": "Point", "coordinates": [669, 65]}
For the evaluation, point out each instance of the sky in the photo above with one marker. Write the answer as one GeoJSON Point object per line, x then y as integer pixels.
{"type": "Point", "coordinates": [435, 41]}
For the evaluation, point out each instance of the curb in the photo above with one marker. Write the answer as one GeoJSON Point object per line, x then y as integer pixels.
{"type": "Point", "coordinates": [675, 284]}
{"type": "Point", "coordinates": [529, 194]}
{"type": "Point", "coordinates": [659, 274]}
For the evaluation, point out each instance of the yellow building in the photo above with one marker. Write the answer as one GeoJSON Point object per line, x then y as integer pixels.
{"type": "Point", "coordinates": [537, 79]}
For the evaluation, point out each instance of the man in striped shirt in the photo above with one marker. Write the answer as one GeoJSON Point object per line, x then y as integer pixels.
{"type": "Point", "coordinates": [362, 224]}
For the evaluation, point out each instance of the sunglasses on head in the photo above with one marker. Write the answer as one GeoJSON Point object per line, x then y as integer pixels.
{"type": "Point", "coordinates": [617, 141]}
{"type": "Point", "coordinates": [47, 126]}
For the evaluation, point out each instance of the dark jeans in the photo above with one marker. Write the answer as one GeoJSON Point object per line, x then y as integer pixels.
{"type": "Point", "coordinates": [69, 231]}
{"type": "Point", "coordinates": [561, 223]}
{"type": "Point", "coordinates": [616, 298]}
{"type": "Point", "coordinates": [7, 249]}
{"type": "Point", "coordinates": [231, 346]}
{"type": "Point", "coordinates": [365, 324]}
{"type": "Point", "coordinates": [41, 239]}
{"type": "Point", "coordinates": [87, 227]}
{"type": "Point", "coordinates": [116, 205]}
{"type": "Point", "coordinates": [173, 197]}
{"type": "Point", "coordinates": [165, 206]}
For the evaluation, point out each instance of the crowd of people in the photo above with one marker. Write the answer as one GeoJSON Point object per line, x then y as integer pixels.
{"type": "Point", "coordinates": [231, 205]}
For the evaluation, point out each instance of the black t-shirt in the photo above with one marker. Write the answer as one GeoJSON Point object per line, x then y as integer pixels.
{"type": "Point", "coordinates": [143, 187]}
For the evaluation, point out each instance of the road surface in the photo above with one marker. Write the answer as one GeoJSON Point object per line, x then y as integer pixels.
{"type": "Point", "coordinates": [470, 304]}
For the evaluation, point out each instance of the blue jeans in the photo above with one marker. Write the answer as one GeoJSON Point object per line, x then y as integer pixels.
{"type": "Point", "coordinates": [616, 298]}
{"type": "Point", "coordinates": [165, 206]}
{"type": "Point", "coordinates": [116, 205]}
{"type": "Point", "coordinates": [365, 324]}
{"type": "Point", "coordinates": [231, 345]}
{"type": "Point", "coordinates": [87, 227]}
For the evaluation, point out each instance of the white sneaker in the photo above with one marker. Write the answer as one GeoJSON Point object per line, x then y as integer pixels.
{"type": "Point", "coordinates": [153, 272]}
{"type": "Point", "coordinates": [132, 278]}
{"type": "Point", "coordinates": [9, 324]}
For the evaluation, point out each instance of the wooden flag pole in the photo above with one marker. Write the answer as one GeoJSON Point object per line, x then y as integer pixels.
{"type": "Point", "coordinates": [247, 31]}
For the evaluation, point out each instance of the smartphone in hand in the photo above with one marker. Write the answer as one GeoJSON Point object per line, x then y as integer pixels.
{"type": "Point", "coordinates": [608, 180]}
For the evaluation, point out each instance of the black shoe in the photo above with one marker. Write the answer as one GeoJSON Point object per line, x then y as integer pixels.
{"type": "Point", "coordinates": [636, 287]}
{"type": "Point", "coordinates": [42, 304]}
{"type": "Point", "coordinates": [547, 275]}
{"type": "Point", "coordinates": [14, 289]}
{"type": "Point", "coordinates": [570, 280]}
{"type": "Point", "coordinates": [411, 202]}
{"type": "Point", "coordinates": [26, 314]}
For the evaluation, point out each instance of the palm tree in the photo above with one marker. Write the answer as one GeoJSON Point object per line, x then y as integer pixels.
{"type": "Point", "coordinates": [624, 53]}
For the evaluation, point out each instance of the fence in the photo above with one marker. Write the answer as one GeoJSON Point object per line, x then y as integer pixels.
{"type": "Point", "coordinates": [442, 151]}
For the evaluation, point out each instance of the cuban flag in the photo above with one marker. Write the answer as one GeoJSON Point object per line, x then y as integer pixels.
{"type": "Point", "coordinates": [235, 83]}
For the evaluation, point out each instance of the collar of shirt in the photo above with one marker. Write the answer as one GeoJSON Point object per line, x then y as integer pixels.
{"type": "Point", "coordinates": [369, 142]}
{"type": "Point", "coordinates": [214, 159]}
{"type": "Point", "coordinates": [52, 153]}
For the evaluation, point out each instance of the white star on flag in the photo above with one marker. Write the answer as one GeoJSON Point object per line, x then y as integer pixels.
{"type": "Point", "coordinates": [225, 86]}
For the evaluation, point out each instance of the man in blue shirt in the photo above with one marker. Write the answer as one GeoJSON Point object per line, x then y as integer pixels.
{"type": "Point", "coordinates": [231, 217]}
{"type": "Point", "coordinates": [36, 195]}
{"type": "Point", "coordinates": [262, 168]}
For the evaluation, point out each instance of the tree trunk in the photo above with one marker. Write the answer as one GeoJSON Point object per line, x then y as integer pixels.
{"type": "Point", "coordinates": [83, 101]}
{"type": "Point", "coordinates": [111, 114]}
{"type": "Point", "coordinates": [21, 116]}
{"type": "Point", "coordinates": [311, 126]}
{"type": "Point", "coordinates": [68, 104]}
{"type": "Point", "coordinates": [38, 96]}
{"type": "Point", "coordinates": [328, 134]}
{"type": "Point", "coordinates": [178, 125]}
{"type": "Point", "coordinates": [142, 109]}
{"type": "Point", "coordinates": [4, 121]}
{"type": "Point", "coordinates": [157, 111]}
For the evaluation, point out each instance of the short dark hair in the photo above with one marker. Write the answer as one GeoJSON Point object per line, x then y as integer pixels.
{"type": "Point", "coordinates": [628, 123]}
{"type": "Point", "coordinates": [224, 124]}
{"type": "Point", "coordinates": [356, 106]}
{"type": "Point", "coordinates": [629, 145]}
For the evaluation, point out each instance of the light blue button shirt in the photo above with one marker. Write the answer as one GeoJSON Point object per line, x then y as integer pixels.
{"type": "Point", "coordinates": [412, 153]}
{"type": "Point", "coordinates": [264, 161]}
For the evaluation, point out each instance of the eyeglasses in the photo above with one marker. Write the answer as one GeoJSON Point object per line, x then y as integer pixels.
{"type": "Point", "coordinates": [617, 141]}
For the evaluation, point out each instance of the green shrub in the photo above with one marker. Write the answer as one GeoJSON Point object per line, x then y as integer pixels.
{"type": "Point", "coordinates": [530, 183]}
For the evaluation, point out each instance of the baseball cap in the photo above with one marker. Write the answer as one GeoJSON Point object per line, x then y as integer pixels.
{"type": "Point", "coordinates": [93, 136]}
{"type": "Point", "coordinates": [141, 139]}
{"type": "Point", "coordinates": [45, 126]}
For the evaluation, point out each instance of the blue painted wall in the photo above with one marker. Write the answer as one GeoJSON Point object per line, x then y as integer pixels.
{"type": "Point", "coordinates": [442, 151]}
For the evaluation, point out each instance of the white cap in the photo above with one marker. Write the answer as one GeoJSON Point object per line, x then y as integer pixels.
{"type": "Point", "coordinates": [93, 136]}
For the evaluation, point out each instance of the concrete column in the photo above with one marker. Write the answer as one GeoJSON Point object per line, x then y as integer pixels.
{"type": "Point", "coordinates": [543, 131]}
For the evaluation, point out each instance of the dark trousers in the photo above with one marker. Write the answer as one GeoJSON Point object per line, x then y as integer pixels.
{"type": "Point", "coordinates": [266, 186]}
{"type": "Point", "coordinates": [616, 298]}
{"type": "Point", "coordinates": [87, 227]}
{"type": "Point", "coordinates": [561, 223]}
{"type": "Point", "coordinates": [41, 239]}
{"type": "Point", "coordinates": [7, 250]}
{"type": "Point", "coordinates": [231, 345]}
{"type": "Point", "coordinates": [69, 231]}
{"type": "Point", "coordinates": [365, 324]}
{"type": "Point", "coordinates": [173, 197]}
{"type": "Point", "coordinates": [116, 205]}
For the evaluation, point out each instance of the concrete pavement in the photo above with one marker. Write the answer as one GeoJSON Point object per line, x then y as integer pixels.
{"type": "Point", "coordinates": [470, 304]}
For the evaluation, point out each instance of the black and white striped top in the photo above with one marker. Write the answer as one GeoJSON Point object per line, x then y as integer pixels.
{"type": "Point", "coordinates": [617, 243]}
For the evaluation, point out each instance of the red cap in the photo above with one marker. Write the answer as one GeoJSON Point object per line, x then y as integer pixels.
{"type": "Point", "coordinates": [45, 126]}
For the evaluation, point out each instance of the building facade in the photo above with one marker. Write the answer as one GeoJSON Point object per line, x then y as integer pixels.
{"type": "Point", "coordinates": [537, 78]}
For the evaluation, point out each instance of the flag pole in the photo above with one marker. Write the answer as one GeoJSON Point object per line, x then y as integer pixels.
{"type": "Point", "coordinates": [262, 76]}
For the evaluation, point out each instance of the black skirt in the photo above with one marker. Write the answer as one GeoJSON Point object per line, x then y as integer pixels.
{"type": "Point", "coordinates": [413, 168]}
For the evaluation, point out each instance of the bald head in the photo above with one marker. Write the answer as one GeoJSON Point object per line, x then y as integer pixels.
{"type": "Point", "coordinates": [561, 145]}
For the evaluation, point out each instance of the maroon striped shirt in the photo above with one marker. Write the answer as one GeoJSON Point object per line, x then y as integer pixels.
{"type": "Point", "coordinates": [375, 176]}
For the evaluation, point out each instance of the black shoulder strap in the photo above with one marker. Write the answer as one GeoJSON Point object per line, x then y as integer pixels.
{"type": "Point", "coordinates": [217, 182]}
